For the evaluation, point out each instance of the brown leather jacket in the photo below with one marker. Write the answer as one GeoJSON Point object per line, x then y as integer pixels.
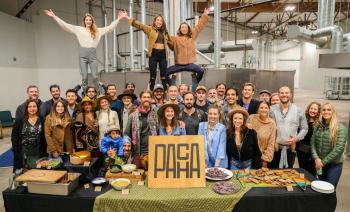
{"type": "Point", "coordinates": [185, 47]}
{"type": "Point", "coordinates": [152, 35]}
{"type": "Point", "coordinates": [58, 134]}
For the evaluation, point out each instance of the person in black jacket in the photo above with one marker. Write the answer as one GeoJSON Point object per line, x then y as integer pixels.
{"type": "Point", "coordinates": [28, 143]}
{"type": "Point", "coordinates": [45, 108]}
{"type": "Point", "coordinates": [247, 101]}
{"type": "Point", "coordinates": [242, 143]}
{"type": "Point", "coordinates": [32, 93]}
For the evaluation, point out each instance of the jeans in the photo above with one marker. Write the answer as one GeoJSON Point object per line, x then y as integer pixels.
{"type": "Point", "coordinates": [277, 156]}
{"type": "Point", "coordinates": [158, 57]}
{"type": "Point", "coordinates": [331, 173]}
{"type": "Point", "coordinates": [236, 165]}
{"type": "Point", "coordinates": [87, 56]}
{"type": "Point", "coordinates": [197, 73]}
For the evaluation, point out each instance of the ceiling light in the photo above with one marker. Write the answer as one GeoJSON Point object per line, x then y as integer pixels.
{"type": "Point", "coordinates": [255, 32]}
{"type": "Point", "coordinates": [211, 8]}
{"type": "Point", "coordinates": [289, 8]}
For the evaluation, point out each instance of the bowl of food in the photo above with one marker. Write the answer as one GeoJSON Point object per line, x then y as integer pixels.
{"type": "Point", "coordinates": [98, 181]}
{"type": "Point", "coordinates": [120, 183]}
{"type": "Point", "coordinates": [78, 158]}
{"type": "Point", "coordinates": [129, 168]}
{"type": "Point", "coordinates": [116, 168]}
{"type": "Point", "coordinates": [47, 163]}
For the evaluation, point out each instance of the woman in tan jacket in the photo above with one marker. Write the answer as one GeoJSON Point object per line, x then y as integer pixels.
{"type": "Point", "coordinates": [158, 38]}
{"type": "Point", "coordinates": [266, 131]}
{"type": "Point", "coordinates": [185, 49]}
{"type": "Point", "coordinates": [58, 132]}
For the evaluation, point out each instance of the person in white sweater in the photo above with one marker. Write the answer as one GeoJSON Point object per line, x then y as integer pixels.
{"type": "Point", "coordinates": [105, 116]}
{"type": "Point", "coordinates": [88, 37]}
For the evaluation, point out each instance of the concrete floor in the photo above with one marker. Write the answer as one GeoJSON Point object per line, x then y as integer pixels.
{"type": "Point", "coordinates": [301, 98]}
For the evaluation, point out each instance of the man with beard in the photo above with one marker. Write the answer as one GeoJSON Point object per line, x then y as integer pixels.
{"type": "Point", "coordinates": [72, 106]}
{"type": "Point", "coordinates": [190, 115]}
{"type": "Point", "coordinates": [131, 87]}
{"type": "Point", "coordinates": [116, 104]}
{"type": "Point", "coordinates": [158, 96]}
{"type": "Point", "coordinates": [32, 93]}
{"type": "Point", "coordinates": [231, 96]}
{"type": "Point", "coordinates": [291, 127]}
{"type": "Point", "coordinates": [220, 89]}
{"type": "Point", "coordinates": [142, 123]}
{"type": "Point", "coordinates": [45, 108]}
{"type": "Point", "coordinates": [251, 105]}
{"type": "Point", "coordinates": [201, 102]}
{"type": "Point", "coordinates": [264, 96]}
{"type": "Point", "coordinates": [212, 96]}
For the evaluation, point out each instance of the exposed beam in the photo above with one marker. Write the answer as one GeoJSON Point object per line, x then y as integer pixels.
{"type": "Point", "coordinates": [251, 18]}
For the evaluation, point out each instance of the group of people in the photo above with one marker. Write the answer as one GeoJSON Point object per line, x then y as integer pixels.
{"type": "Point", "coordinates": [159, 42]}
{"type": "Point", "coordinates": [240, 132]}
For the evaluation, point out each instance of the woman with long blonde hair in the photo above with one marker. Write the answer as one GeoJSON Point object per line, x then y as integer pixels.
{"type": "Point", "coordinates": [88, 37]}
{"type": "Point", "coordinates": [328, 144]}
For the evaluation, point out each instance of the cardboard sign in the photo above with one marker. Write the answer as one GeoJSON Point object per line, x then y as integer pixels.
{"type": "Point", "coordinates": [176, 161]}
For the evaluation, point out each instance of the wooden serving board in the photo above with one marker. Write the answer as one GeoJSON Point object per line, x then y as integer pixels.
{"type": "Point", "coordinates": [247, 177]}
{"type": "Point", "coordinates": [130, 176]}
{"type": "Point", "coordinates": [41, 176]}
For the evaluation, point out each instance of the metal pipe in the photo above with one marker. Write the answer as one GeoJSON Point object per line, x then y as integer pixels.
{"type": "Point", "coordinates": [143, 36]}
{"type": "Point", "coordinates": [131, 36]}
{"type": "Point", "coordinates": [114, 36]}
{"type": "Point", "coordinates": [325, 15]}
{"type": "Point", "coordinates": [217, 33]}
{"type": "Point", "coordinates": [205, 56]}
{"type": "Point", "coordinates": [183, 11]}
{"type": "Point", "coordinates": [346, 38]}
{"type": "Point", "coordinates": [189, 8]}
{"type": "Point", "coordinates": [318, 37]}
{"type": "Point", "coordinates": [105, 38]}
{"type": "Point", "coordinates": [166, 13]}
{"type": "Point", "coordinates": [226, 46]}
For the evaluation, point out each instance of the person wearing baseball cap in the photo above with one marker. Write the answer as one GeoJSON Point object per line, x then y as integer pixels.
{"type": "Point", "coordinates": [264, 96]}
{"type": "Point", "coordinates": [158, 96]}
{"type": "Point", "coordinates": [201, 99]}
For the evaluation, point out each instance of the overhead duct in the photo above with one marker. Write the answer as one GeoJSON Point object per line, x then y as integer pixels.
{"type": "Point", "coordinates": [326, 30]}
{"type": "Point", "coordinates": [227, 46]}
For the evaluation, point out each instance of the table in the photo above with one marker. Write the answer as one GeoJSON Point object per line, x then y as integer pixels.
{"type": "Point", "coordinates": [257, 199]}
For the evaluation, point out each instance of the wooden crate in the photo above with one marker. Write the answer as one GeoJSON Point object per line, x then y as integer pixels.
{"type": "Point", "coordinates": [131, 176]}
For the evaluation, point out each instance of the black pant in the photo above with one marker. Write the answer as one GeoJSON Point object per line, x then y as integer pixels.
{"type": "Point", "coordinates": [306, 162]}
{"type": "Point", "coordinates": [158, 57]}
{"type": "Point", "coordinates": [277, 156]}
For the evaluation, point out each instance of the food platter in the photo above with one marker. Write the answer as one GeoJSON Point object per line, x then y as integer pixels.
{"type": "Point", "coordinates": [218, 174]}
{"type": "Point", "coordinates": [226, 187]}
{"type": "Point", "coordinates": [47, 163]}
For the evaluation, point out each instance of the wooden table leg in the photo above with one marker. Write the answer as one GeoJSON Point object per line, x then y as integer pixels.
{"type": "Point", "coordinates": [1, 136]}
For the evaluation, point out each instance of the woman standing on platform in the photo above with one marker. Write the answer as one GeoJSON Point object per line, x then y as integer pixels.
{"type": "Point", "coordinates": [185, 49]}
{"type": "Point", "coordinates": [214, 139]}
{"type": "Point", "coordinates": [328, 144]}
{"type": "Point", "coordinates": [88, 37]}
{"type": "Point", "coordinates": [58, 132]}
{"type": "Point", "coordinates": [305, 159]}
{"type": "Point", "coordinates": [28, 138]}
{"type": "Point", "coordinates": [265, 128]}
{"type": "Point", "coordinates": [242, 143]}
{"type": "Point", "coordinates": [158, 54]}
{"type": "Point", "coordinates": [168, 119]}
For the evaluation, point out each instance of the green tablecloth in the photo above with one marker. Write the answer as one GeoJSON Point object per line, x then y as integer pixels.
{"type": "Point", "coordinates": [142, 198]}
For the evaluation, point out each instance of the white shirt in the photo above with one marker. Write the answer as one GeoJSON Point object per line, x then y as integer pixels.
{"type": "Point", "coordinates": [84, 36]}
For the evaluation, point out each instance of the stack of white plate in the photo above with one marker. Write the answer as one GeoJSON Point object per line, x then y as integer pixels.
{"type": "Point", "coordinates": [322, 186]}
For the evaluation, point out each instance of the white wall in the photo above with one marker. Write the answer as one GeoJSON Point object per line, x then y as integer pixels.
{"type": "Point", "coordinates": [16, 41]}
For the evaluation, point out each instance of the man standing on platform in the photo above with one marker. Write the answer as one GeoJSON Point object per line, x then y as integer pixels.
{"type": "Point", "coordinates": [190, 115]}
{"type": "Point", "coordinates": [251, 105]}
{"type": "Point", "coordinates": [291, 127]}
{"type": "Point", "coordinates": [45, 108]}
{"type": "Point", "coordinates": [141, 124]}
